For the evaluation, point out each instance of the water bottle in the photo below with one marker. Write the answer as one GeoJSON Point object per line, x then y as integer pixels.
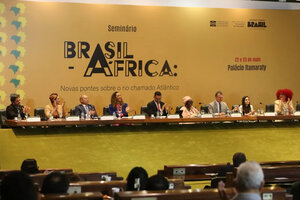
{"type": "Point", "coordinates": [82, 115]}
{"type": "Point", "coordinates": [50, 116]}
{"type": "Point", "coordinates": [228, 113]}
{"type": "Point", "coordinates": [287, 112]}
{"type": "Point", "coordinates": [114, 115]}
{"type": "Point", "coordinates": [202, 112]}
{"type": "Point", "coordinates": [157, 114]}
{"type": "Point", "coordinates": [19, 115]}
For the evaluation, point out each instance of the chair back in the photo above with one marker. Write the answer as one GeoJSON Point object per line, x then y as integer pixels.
{"type": "Point", "coordinates": [2, 118]}
{"type": "Point", "coordinates": [72, 112]}
{"type": "Point", "coordinates": [144, 110]}
{"type": "Point", "coordinates": [233, 106]}
{"type": "Point", "coordinates": [106, 111]}
{"type": "Point", "coordinates": [204, 108]}
{"type": "Point", "coordinates": [270, 108]}
{"type": "Point", "coordinates": [298, 107]}
{"type": "Point", "coordinates": [40, 112]}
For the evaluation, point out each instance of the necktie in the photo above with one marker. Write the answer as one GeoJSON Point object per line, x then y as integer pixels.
{"type": "Point", "coordinates": [158, 107]}
{"type": "Point", "coordinates": [220, 108]}
{"type": "Point", "coordinates": [86, 109]}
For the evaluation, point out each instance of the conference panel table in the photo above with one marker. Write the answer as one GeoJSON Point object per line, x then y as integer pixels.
{"type": "Point", "coordinates": [130, 121]}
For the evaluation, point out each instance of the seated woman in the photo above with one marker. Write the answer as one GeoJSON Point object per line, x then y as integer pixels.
{"type": "Point", "coordinates": [55, 109]}
{"type": "Point", "coordinates": [246, 108]}
{"type": "Point", "coordinates": [188, 110]}
{"type": "Point", "coordinates": [284, 102]}
{"type": "Point", "coordinates": [117, 105]}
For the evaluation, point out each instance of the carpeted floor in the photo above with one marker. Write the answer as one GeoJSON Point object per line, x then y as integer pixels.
{"type": "Point", "coordinates": [121, 148]}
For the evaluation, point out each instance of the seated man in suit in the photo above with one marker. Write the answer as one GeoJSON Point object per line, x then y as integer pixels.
{"type": "Point", "coordinates": [85, 108]}
{"type": "Point", "coordinates": [237, 159]}
{"type": "Point", "coordinates": [15, 109]}
{"type": "Point", "coordinates": [218, 106]}
{"type": "Point", "coordinates": [157, 105]}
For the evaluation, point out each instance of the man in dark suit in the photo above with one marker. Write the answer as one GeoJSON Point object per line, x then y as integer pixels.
{"type": "Point", "coordinates": [157, 106]}
{"type": "Point", "coordinates": [15, 109]}
{"type": "Point", "coordinates": [237, 159]}
{"type": "Point", "coordinates": [85, 108]}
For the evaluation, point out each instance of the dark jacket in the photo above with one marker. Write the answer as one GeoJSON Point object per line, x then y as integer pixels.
{"type": "Point", "coordinates": [12, 111]}
{"type": "Point", "coordinates": [80, 109]}
{"type": "Point", "coordinates": [152, 108]}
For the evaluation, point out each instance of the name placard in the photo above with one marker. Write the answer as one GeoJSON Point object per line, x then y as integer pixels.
{"type": "Point", "coordinates": [297, 113]}
{"type": "Point", "coordinates": [139, 117]}
{"type": "Point", "coordinates": [33, 119]}
{"type": "Point", "coordinates": [107, 117]}
{"type": "Point", "coordinates": [236, 115]}
{"type": "Point", "coordinates": [207, 116]}
{"type": "Point", "coordinates": [72, 118]}
{"type": "Point", "coordinates": [270, 114]}
{"type": "Point", "coordinates": [175, 116]}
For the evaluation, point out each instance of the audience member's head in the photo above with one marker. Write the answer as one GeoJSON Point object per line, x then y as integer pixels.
{"type": "Point", "coordinates": [238, 158]}
{"type": "Point", "coordinates": [18, 185]}
{"type": "Point", "coordinates": [157, 182]}
{"type": "Point", "coordinates": [29, 166]}
{"type": "Point", "coordinates": [137, 179]}
{"type": "Point", "coordinates": [295, 191]}
{"type": "Point", "coordinates": [250, 177]}
{"type": "Point", "coordinates": [55, 183]}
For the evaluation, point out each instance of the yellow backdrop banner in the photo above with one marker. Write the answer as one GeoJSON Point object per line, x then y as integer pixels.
{"type": "Point", "coordinates": [92, 49]}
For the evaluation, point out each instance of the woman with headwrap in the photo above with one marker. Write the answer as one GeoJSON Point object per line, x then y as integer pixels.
{"type": "Point", "coordinates": [55, 109]}
{"type": "Point", "coordinates": [188, 110]}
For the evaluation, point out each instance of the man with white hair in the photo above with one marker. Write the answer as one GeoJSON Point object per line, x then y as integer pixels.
{"type": "Point", "coordinates": [85, 109]}
{"type": "Point", "coordinates": [249, 182]}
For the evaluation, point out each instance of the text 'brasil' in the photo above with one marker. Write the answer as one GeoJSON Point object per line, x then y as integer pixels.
{"type": "Point", "coordinates": [116, 60]}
